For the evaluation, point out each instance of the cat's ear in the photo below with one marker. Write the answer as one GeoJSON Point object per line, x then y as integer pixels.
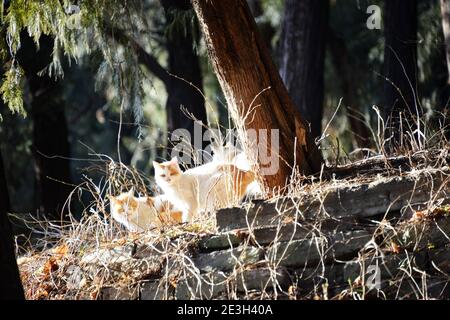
{"type": "Point", "coordinates": [156, 164]}
{"type": "Point", "coordinates": [112, 199]}
{"type": "Point", "coordinates": [174, 160]}
{"type": "Point", "coordinates": [131, 192]}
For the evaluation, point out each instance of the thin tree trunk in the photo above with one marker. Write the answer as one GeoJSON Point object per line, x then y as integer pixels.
{"type": "Point", "coordinates": [302, 56]}
{"type": "Point", "coordinates": [341, 61]}
{"type": "Point", "coordinates": [400, 59]}
{"type": "Point", "coordinates": [51, 149]}
{"type": "Point", "coordinates": [445, 10]}
{"type": "Point", "coordinates": [10, 283]}
{"type": "Point", "coordinates": [50, 134]}
{"type": "Point", "coordinates": [265, 27]}
{"type": "Point", "coordinates": [249, 79]}
{"type": "Point", "coordinates": [183, 88]}
{"type": "Point", "coordinates": [183, 79]}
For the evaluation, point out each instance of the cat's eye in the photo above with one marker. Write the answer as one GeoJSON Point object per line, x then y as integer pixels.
{"type": "Point", "coordinates": [163, 176]}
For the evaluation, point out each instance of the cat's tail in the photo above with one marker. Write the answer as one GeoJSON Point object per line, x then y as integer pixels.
{"type": "Point", "coordinates": [241, 179]}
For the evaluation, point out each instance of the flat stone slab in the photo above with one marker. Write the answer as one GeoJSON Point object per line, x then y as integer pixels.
{"type": "Point", "coordinates": [263, 279]}
{"type": "Point", "coordinates": [311, 252]}
{"type": "Point", "coordinates": [205, 286]}
{"type": "Point", "coordinates": [357, 201]}
{"type": "Point", "coordinates": [227, 260]}
{"type": "Point", "coordinates": [303, 229]}
{"type": "Point", "coordinates": [119, 293]}
{"type": "Point", "coordinates": [227, 286]}
{"type": "Point", "coordinates": [108, 256]}
{"type": "Point", "coordinates": [120, 260]}
{"type": "Point", "coordinates": [308, 279]}
{"type": "Point", "coordinates": [154, 290]}
{"type": "Point", "coordinates": [218, 242]}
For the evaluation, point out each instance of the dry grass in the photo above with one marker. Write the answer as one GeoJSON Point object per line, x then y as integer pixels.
{"type": "Point", "coordinates": [76, 259]}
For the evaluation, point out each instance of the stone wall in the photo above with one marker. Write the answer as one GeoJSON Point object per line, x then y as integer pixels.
{"type": "Point", "coordinates": [388, 238]}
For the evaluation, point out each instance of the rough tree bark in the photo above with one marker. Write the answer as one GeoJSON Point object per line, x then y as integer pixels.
{"type": "Point", "coordinates": [341, 62]}
{"type": "Point", "coordinates": [400, 58]}
{"type": "Point", "coordinates": [50, 134]}
{"type": "Point", "coordinates": [245, 70]}
{"type": "Point", "coordinates": [10, 283]}
{"type": "Point", "coordinates": [445, 10]}
{"type": "Point", "coordinates": [302, 56]}
{"type": "Point", "coordinates": [184, 64]}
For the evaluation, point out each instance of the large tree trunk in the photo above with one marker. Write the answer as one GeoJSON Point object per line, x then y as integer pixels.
{"type": "Point", "coordinates": [249, 79]}
{"type": "Point", "coordinates": [10, 284]}
{"type": "Point", "coordinates": [445, 10]}
{"type": "Point", "coordinates": [183, 88]}
{"type": "Point", "coordinates": [344, 69]}
{"type": "Point", "coordinates": [400, 61]}
{"type": "Point", "coordinates": [302, 56]}
{"type": "Point", "coordinates": [50, 133]}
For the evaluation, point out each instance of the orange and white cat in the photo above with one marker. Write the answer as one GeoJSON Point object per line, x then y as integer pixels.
{"type": "Point", "coordinates": [230, 154]}
{"type": "Point", "coordinates": [143, 213]}
{"type": "Point", "coordinates": [203, 188]}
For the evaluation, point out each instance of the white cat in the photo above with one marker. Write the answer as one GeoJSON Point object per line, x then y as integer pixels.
{"type": "Point", "coordinates": [203, 188]}
{"type": "Point", "coordinates": [142, 213]}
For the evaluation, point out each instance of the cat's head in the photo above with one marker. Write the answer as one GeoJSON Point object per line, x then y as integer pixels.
{"type": "Point", "coordinates": [167, 173]}
{"type": "Point", "coordinates": [124, 202]}
{"type": "Point", "coordinates": [224, 154]}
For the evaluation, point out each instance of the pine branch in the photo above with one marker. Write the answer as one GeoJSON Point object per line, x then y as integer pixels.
{"type": "Point", "coordinates": [148, 60]}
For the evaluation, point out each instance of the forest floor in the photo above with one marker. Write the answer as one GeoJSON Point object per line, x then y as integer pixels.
{"type": "Point", "coordinates": [317, 241]}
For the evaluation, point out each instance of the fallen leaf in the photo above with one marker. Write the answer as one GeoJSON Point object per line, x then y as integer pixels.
{"type": "Point", "coordinates": [50, 266]}
{"type": "Point", "coordinates": [292, 292]}
{"type": "Point", "coordinates": [288, 219]}
{"type": "Point", "coordinates": [173, 282]}
{"type": "Point", "coordinates": [242, 234]}
{"type": "Point", "coordinates": [94, 294]}
{"type": "Point", "coordinates": [395, 248]}
{"type": "Point", "coordinates": [419, 215]}
{"type": "Point", "coordinates": [358, 281]}
{"type": "Point", "coordinates": [60, 251]}
{"type": "Point", "coordinates": [120, 241]}
{"type": "Point", "coordinates": [41, 294]}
